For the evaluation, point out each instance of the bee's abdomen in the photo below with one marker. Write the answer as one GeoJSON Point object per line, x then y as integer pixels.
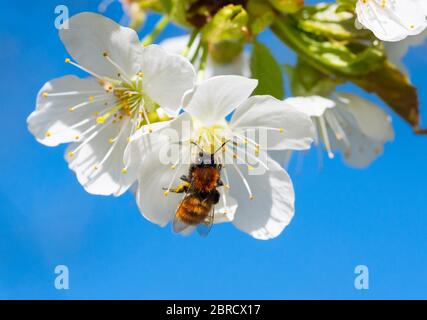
{"type": "Point", "coordinates": [193, 210]}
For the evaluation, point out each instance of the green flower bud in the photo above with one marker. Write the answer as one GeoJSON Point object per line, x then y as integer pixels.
{"type": "Point", "coordinates": [226, 33]}
{"type": "Point", "coordinates": [287, 6]}
{"type": "Point", "coordinates": [261, 15]}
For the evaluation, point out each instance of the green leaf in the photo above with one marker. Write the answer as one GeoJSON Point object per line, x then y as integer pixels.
{"type": "Point", "coordinates": [267, 70]}
{"type": "Point", "coordinates": [394, 88]}
{"type": "Point", "coordinates": [308, 81]}
{"type": "Point", "coordinates": [342, 58]}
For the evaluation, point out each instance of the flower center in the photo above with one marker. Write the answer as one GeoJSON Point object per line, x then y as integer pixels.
{"type": "Point", "coordinates": [210, 138]}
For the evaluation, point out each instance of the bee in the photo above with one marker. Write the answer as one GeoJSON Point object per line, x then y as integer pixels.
{"type": "Point", "coordinates": [197, 208]}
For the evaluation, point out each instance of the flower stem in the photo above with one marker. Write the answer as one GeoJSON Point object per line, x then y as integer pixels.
{"type": "Point", "coordinates": [190, 43]}
{"type": "Point", "coordinates": [160, 26]}
{"type": "Point", "coordinates": [285, 31]}
{"type": "Point", "coordinates": [202, 64]}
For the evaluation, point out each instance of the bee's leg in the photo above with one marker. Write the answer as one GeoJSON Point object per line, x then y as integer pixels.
{"type": "Point", "coordinates": [185, 178]}
{"type": "Point", "coordinates": [181, 188]}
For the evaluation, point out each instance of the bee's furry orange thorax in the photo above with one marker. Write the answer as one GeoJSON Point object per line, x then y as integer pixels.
{"type": "Point", "coordinates": [205, 179]}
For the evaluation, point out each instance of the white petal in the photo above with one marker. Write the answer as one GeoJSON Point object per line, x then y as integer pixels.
{"type": "Point", "coordinates": [278, 124]}
{"type": "Point", "coordinates": [215, 98]}
{"type": "Point", "coordinates": [397, 50]}
{"type": "Point", "coordinates": [282, 157]}
{"type": "Point", "coordinates": [154, 137]}
{"type": "Point", "coordinates": [226, 209]}
{"type": "Point", "coordinates": [99, 163]}
{"type": "Point", "coordinates": [313, 106]}
{"type": "Point", "coordinates": [371, 119]}
{"type": "Point", "coordinates": [239, 66]}
{"type": "Point", "coordinates": [91, 35]}
{"type": "Point", "coordinates": [391, 20]}
{"type": "Point", "coordinates": [362, 151]}
{"type": "Point", "coordinates": [52, 122]}
{"type": "Point", "coordinates": [366, 129]}
{"type": "Point", "coordinates": [177, 44]}
{"type": "Point", "coordinates": [153, 179]}
{"type": "Point", "coordinates": [271, 210]}
{"type": "Point", "coordinates": [167, 77]}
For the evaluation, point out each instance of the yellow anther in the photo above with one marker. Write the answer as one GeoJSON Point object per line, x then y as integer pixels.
{"type": "Point", "coordinates": [111, 141]}
{"type": "Point", "coordinates": [77, 137]}
{"type": "Point", "coordinates": [166, 193]}
{"type": "Point", "coordinates": [71, 109]}
{"type": "Point", "coordinates": [100, 120]}
{"type": "Point", "coordinates": [173, 167]}
{"type": "Point", "coordinates": [124, 170]}
{"type": "Point", "coordinates": [140, 74]}
{"type": "Point", "coordinates": [227, 186]}
{"type": "Point", "coordinates": [71, 154]}
{"type": "Point", "coordinates": [129, 139]}
{"type": "Point", "coordinates": [91, 98]}
{"type": "Point", "coordinates": [67, 60]}
{"type": "Point", "coordinates": [250, 168]}
{"type": "Point", "coordinates": [95, 168]}
{"type": "Point", "coordinates": [252, 197]}
{"type": "Point", "coordinates": [45, 94]}
{"type": "Point", "coordinates": [281, 130]}
{"type": "Point", "coordinates": [105, 54]}
{"type": "Point", "coordinates": [48, 134]}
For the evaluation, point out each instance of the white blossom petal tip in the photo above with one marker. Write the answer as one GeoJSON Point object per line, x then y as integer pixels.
{"type": "Point", "coordinates": [392, 20]}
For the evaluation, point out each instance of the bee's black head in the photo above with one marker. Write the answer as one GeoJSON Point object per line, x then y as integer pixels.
{"type": "Point", "coordinates": [205, 159]}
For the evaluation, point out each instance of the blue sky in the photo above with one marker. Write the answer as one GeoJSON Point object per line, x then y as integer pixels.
{"type": "Point", "coordinates": [344, 217]}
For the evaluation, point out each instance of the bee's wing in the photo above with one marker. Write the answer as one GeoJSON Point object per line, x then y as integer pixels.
{"type": "Point", "coordinates": [178, 225]}
{"type": "Point", "coordinates": [204, 228]}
